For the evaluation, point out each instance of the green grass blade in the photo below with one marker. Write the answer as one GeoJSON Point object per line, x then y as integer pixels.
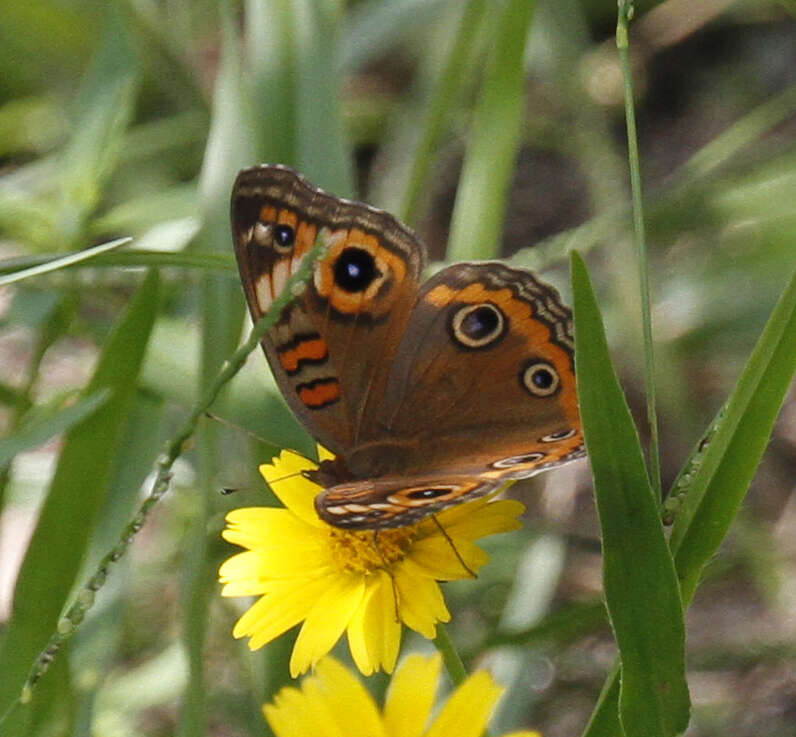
{"type": "Point", "coordinates": [640, 239]}
{"type": "Point", "coordinates": [440, 108]}
{"type": "Point", "coordinates": [47, 424]}
{"type": "Point", "coordinates": [481, 200]}
{"type": "Point", "coordinates": [322, 149]}
{"type": "Point", "coordinates": [104, 109]}
{"type": "Point", "coordinates": [48, 264]}
{"type": "Point", "coordinates": [223, 262]}
{"type": "Point", "coordinates": [641, 589]}
{"type": "Point", "coordinates": [731, 457]}
{"type": "Point", "coordinates": [230, 147]}
{"type": "Point", "coordinates": [271, 52]}
{"type": "Point", "coordinates": [78, 487]}
{"type": "Point", "coordinates": [724, 468]}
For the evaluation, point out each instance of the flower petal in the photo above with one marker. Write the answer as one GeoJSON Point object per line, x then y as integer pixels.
{"type": "Point", "coordinates": [411, 696]}
{"type": "Point", "coordinates": [436, 557]}
{"type": "Point", "coordinates": [374, 634]}
{"type": "Point", "coordinates": [325, 623]}
{"type": "Point", "coordinates": [284, 607]}
{"type": "Point", "coordinates": [352, 707]}
{"type": "Point", "coordinates": [497, 516]}
{"type": "Point", "coordinates": [268, 564]}
{"type": "Point", "coordinates": [254, 527]}
{"type": "Point", "coordinates": [297, 493]}
{"type": "Point", "coordinates": [469, 708]}
{"type": "Point", "coordinates": [304, 711]}
{"type": "Point", "coordinates": [324, 454]}
{"type": "Point", "coordinates": [420, 603]}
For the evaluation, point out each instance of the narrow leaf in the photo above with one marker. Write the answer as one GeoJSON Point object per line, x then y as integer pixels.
{"type": "Point", "coordinates": [77, 490]}
{"type": "Point", "coordinates": [45, 426]}
{"type": "Point", "coordinates": [729, 461]}
{"type": "Point", "coordinates": [641, 589]}
{"type": "Point", "coordinates": [736, 441]}
{"type": "Point", "coordinates": [483, 189]}
{"type": "Point", "coordinates": [53, 264]}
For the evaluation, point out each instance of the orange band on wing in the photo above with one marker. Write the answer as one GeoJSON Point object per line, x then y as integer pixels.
{"type": "Point", "coordinates": [319, 393]}
{"type": "Point", "coordinates": [313, 350]}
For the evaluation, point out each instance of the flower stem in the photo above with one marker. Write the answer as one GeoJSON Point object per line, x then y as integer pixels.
{"type": "Point", "coordinates": [450, 656]}
{"type": "Point", "coordinates": [623, 18]}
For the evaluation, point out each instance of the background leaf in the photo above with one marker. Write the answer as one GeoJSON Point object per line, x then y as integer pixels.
{"type": "Point", "coordinates": [78, 488]}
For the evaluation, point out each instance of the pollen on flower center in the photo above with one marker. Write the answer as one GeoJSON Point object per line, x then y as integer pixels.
{"type": "Point", "coordinates": [365, 551]}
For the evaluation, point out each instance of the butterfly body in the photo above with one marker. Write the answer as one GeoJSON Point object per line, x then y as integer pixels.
{"type": "Point", "coordinates": [428, 393]}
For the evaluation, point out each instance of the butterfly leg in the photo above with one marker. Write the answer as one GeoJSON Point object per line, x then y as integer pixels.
{"type": "Point", "coordinates": [445, 534]}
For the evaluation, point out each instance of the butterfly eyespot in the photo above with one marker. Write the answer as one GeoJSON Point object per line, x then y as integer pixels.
{"type": "Point", "coordinates": [477, 326]}
{"type": "Point", "coordinates": [560, 435]}
{"type": "Point", "coordinates": [355, 270]}
{"type": "Point", "coordinates": [433, 493]}
{"type": "Point", "coordinates": [512, 461]}
{"type": "Point", "coordinates": [540, 378]}
{"type": "Point", "coordinates": [284, 238]}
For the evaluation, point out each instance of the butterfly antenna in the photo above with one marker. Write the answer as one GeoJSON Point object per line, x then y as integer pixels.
{"type": "Point", "coordinates": [258, 438]}
{"type": "Point", "coordinates": [458, 555]}
{"type": "Point", "coordinates": [389, 573]}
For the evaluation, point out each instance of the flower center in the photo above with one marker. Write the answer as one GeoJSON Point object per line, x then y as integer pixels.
{"type": "Point", "coordinates": [365, 551]}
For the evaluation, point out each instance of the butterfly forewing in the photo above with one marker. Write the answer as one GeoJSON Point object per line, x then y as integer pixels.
{"type": "Point", "coordinates": [335, 341]}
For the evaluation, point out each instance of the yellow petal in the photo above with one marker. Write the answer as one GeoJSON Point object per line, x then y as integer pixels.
{"type": "Point", "coordinates": [411, 696]}
{"type": "Point", "coordinates": [288, 603]}
{"type": "Point", "coordinates": [297, 713]}
{"type": "Point", "coordinates": [469, 708]}
{"type": "Point", "coordinates": [351, 707]}
{"type": "Point", "coordinates": [270, 562]}
{"type": "Point", "coordinates": [436, 557]}
{"type": "Point", "coordinates": [290, 715]}
{"type": "Point", "coordinates": [256, 527]}
{"type": "Point", "coordinates": [374, 634]}
{"type": "Point", "coordinates": [324, 454]}
{"type": "Point", "coordinates": [325, 623]}
{"type": "Point", "coordinates": [498, 516]}
{"type": "Point", "coordinates": [293, 490]}
{"type": "Point", "coordinates": [420, 603]}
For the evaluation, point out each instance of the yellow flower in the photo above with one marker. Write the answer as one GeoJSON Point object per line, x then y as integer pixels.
{"type": "Point", "coordinates": [337, 581]}
{"type": "Point", "coordinates": [332, 703]}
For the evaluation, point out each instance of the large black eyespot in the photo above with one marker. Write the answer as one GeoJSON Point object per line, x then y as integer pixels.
{"type": "Point", "coordinates": [429, 493]}
{"type": "Point", "coordinates": [477, 326]}
{"type": "Point", "coordinates": [284, 237]}
{"type": "Point", "coordinates": [355, 269]}
{"type": "Point", "coordinates": [540, 378]}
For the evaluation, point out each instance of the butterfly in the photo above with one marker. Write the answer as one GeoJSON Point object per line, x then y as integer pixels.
{"type": "Point", "coordinates": [429, 393]}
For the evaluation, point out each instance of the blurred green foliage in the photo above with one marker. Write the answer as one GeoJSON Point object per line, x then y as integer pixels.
{"type": "Point", "coordinates": [131, 117]}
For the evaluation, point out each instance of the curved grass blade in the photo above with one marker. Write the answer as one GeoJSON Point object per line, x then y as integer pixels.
{"type": "Point", "coordinates": [80, 483]}
{"type": "Point", "coordinates": [641, 588]}
{"type": "Point", "coordinates": [61, 262]}
{"type": "Point", "coordinates": [47, 425]}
